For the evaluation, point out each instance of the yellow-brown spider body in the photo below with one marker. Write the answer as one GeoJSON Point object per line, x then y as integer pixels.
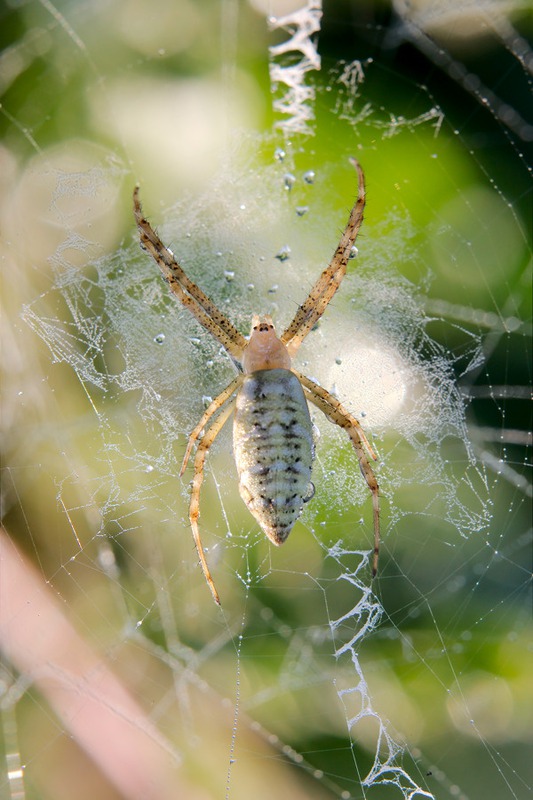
{"type": "Point", "coordinates": [273, 441]}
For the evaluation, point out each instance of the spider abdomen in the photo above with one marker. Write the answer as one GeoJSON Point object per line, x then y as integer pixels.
{"type": "Point", "coordinates": [273, 446]}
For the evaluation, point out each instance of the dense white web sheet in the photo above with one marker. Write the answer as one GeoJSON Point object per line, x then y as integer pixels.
{"type": "Point", "coordinates": [308, 659]}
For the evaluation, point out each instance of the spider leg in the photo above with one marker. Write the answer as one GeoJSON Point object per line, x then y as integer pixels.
{"type": "Point", "coordinates": [194, 507]}
{"type": "Point", "coordinates": [336, 412]}
{"type": "Point", "coordinates": [332, 403]}
{"type": "Point", "coordinates": [329, 281]}
{"type": "Point", "coordinates": [212, 408]}
{"type": "Point", "coordinates": [192, 297]}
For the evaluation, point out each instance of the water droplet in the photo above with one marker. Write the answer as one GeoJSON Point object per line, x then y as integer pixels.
{"type": "Point", "coordinates": [301, 210]}
{"type": "Point", "coordinates": [353, 252]}
{"type": "Point", "coordinates": [309, 176]}
{"type": "Point", "coordinates": [289, 180]}
{"type": "Point", "coordinates": [160, 338]}
{"type": "Point", "coordinates": [229, 275]}
{"type": "Point", "coordinates": [284, 253]}
{"type": "Point", "coordinates": [279, 154]}
{"type": "Point", "coordinates": [310, 493]}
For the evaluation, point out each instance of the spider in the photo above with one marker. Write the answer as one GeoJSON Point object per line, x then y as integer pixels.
{"type": "Point", "coordinates": [272, 429]}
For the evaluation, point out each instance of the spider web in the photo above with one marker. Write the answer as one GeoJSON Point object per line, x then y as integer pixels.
{"type": "Point", "coordinates": [311, 682]}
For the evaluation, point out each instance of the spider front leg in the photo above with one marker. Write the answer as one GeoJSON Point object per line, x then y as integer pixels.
{"type": "Point", "coordinates": [336, 412]}
{"type": "Point", "coordinates": [329, 281]}
{"type": "Point", "coordinates": [187, 292]}
{"type": "Point", "coordinates": [194, 507]}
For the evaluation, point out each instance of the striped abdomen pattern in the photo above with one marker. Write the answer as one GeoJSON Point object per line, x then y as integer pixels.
{"type": "Point", "coordinates": [273, 446]}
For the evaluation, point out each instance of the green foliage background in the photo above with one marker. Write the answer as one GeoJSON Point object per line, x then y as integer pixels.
{"type": "Point", "coordinates": [65, 70]}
